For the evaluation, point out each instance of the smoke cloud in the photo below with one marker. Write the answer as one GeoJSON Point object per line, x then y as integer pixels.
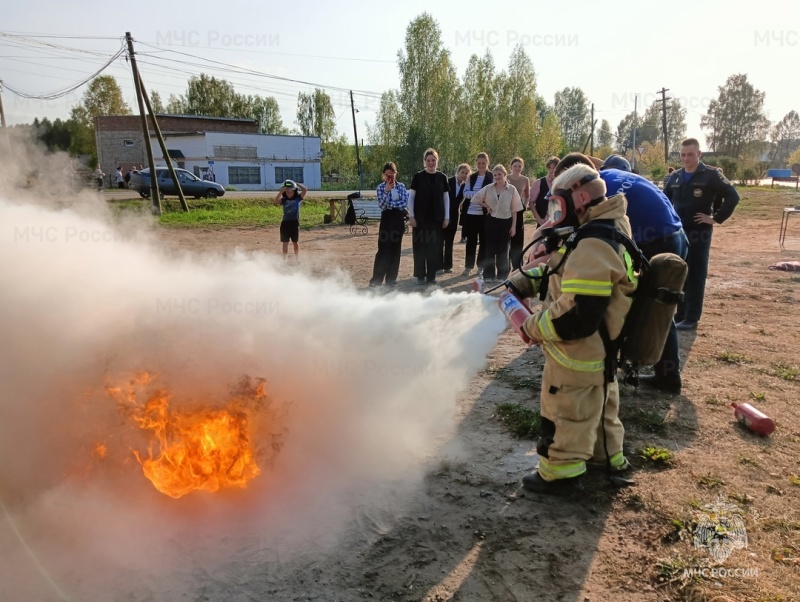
{"type": "Point", "coordinates": [361, 392]}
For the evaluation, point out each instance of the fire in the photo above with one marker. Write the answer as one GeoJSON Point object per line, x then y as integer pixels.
{"type": "Point", "coordinates": [204, 449]}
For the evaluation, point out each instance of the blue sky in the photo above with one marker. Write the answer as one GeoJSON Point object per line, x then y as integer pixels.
{"type": "Point", "coordinates": [612, 50]}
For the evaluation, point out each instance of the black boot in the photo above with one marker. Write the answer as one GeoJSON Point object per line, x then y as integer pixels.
{"type": "Point", "coordinates": [669, 384]}
{"type": "Point", "coordinates": [536, 484]}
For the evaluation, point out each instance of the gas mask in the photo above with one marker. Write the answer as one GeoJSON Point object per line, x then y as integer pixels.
{"type": "Point", "coordinates": [561, 206]}
{"type": "Point", "coordinates": [561, 209]}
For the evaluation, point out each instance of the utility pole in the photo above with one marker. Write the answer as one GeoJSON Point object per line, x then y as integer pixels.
{"type": "Point", "coordinates": [163, 145]}
{"type": "Point", "coordinates": [715, 130]}
{"type": "Point", "coordinates": [3, 120]}
{"type": "Point", "coordinates": [633, 131]}
{"type": "Point", "coordinates": [664, 100]}
{"type": "Point", "coordinates": [155, 195]}
{"type": "Point", "coordinates": [355, 135]}
{"type": "Point", "coordinates": [591, 144]}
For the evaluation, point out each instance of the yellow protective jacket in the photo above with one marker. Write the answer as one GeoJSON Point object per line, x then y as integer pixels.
{"type": "Point", "coordinates": [592, 286]}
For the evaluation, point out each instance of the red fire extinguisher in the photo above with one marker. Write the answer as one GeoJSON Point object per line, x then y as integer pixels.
{"type": "Point", "coordinates": [753, 418]}
{"type": "Point", "coordinates": [516, 313]}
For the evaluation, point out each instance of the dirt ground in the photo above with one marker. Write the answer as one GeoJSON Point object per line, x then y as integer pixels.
{"type": "Point", "coordinates": [474, 534]}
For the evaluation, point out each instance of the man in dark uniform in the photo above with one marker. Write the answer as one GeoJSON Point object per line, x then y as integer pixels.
{"type": "Point", "coordinates": [702, 198]}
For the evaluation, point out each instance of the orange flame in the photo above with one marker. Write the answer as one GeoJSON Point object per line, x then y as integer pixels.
{"type": "Point", "coordinates": [200, 449]}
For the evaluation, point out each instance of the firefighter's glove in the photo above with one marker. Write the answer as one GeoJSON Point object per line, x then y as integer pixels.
{"type": "Point", "coordinates": [522, 285]}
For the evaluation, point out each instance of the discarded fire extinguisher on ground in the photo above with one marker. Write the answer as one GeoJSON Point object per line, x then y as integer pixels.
{"type": "Point", "coordinates": [753, 418]}
{"type": "Point", "coordinates": [516, 313]}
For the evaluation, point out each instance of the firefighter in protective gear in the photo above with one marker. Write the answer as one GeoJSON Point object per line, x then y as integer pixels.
{"type": "Point", "coordinates": [587, 298]}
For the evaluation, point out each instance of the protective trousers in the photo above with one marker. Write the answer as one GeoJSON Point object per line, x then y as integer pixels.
{"type": "Point", "coordinates": [572, 432]}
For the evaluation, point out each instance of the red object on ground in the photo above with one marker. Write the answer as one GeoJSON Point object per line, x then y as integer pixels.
{"type": "Point", "coordinates": [516, 314]}
{"type": "Point", "coordinates": [753, 418]}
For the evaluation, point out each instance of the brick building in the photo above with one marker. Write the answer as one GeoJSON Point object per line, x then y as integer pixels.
{"type": "Point", "coordinates": [230, 148]}
{"type": "Point", "coordinates": [120, 141]}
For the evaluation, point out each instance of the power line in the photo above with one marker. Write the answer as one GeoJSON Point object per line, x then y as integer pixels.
{"type": "Point", "coordinates": [65, 91]}
{"type": "Point", "coordinates": [311, 56]}
{"type": "Point", "coordinates": [259, 73]}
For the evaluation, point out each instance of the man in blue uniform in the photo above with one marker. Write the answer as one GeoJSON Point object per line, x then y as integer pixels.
{"type": "Point", "coordinates": [703, 198]}
{"type": "Point", "coordinates": [656, 229]}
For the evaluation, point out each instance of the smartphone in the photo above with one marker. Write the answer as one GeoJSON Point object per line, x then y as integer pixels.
{"type": "Point", "coordinates": [390, 179]}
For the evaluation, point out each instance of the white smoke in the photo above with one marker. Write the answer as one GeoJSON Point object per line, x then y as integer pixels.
{"type": "Point", "coordinates": [363, 391]}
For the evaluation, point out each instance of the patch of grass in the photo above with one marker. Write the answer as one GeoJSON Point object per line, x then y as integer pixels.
{"type": "Point", "coordinates": [525, 383]}
{"type": "Point", "coordinates": [659, 456]}
{"type": "Point", "coordinates": [794, 480]}
{"type": "Point", "coordinates": [671, 569]}
{"type": "Point", "coordinates": [730, 357]}
{"type": "Point", "coordinates": [742, 498]}
{"type": "Point", "coordinates": [635, 501]}
{"type": "Point", "coordinates": [758, 396]}
{"type": "Point", "coordinates": [790, 555]}
{"type": "Point", "coordinates": [747, 460]}
{"type": "Point", "coordinates": [232, 212]}
{"type": "Point", "coordinates": [710, 481]}
{"type": "Point", "coordinates": [785, 371]}
{"type": "Point", "coordinates": [647, 420]}
{"type": "Point", "coordinates": [503, 373]}
{"type": "Point", "coordinates": [713, 401]}
{"type": "Point", "coordinates": [779, 524]}
{"type": "Point", "coordinates": [522, 421]}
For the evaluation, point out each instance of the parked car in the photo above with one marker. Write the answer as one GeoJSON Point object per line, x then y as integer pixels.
{"type": "Point", "coordinates": [191, 185]}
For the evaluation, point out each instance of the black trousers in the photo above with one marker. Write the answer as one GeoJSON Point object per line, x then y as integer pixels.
{"type": "Point", "coordinates": [473, 231]}
{"type": "Point", "coordinates": [517, 241]}
{"type": "Point", "coordinates": [695, 288]}
{"type": "Point", "coordinates": [426, 242]}
{"type": "Point", "coordinates": [669, 364]}
{"type": "Point", "coordinates": [497, 236]}
{"type": "Point", "coordinates": [390, 244]}
{"type": "Point", "coordinates": [448, 237]}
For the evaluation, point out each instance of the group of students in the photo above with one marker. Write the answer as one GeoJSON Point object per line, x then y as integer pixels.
{"type": "Point", "coordinates": [488, 205]}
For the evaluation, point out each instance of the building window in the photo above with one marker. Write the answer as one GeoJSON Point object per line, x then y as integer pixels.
{"type": "Point", "coordinates": [244, 175]}
{"type": "Point", "coordinates": [127, 142]}
{"type": "Point", "coordinates": [288, 173]}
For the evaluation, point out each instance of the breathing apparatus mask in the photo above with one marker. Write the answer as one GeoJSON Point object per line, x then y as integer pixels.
{"type": "Point", "coordinates": [562, 219]}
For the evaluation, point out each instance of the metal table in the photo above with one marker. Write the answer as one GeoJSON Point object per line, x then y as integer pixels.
{"type": "Point", "coordinates": [787, 213]}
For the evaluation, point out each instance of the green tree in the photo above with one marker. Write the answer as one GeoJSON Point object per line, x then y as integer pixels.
{"type": "Point", "coordinates": [175, 105]}
{"type": "Point", "coordinates": [785, 137]}
{"type": "Point", "coordinates": [207, 95]}
{"type": "Point", "coordinates": [605, 137]}
{"type": "Point", "coordinates": [624, 131]}
{"type": "Point", "coordinates": [339, 157]}
{"type": "Point", "coordinates": [315, 115]}
{"type": "Point", "coordinates": [736, 117]}
{"type": "Point", "coordinates": [572, 108]}
{"type": "Point", "coordinates": [478, 107]}
{"type": "Point", "coordinates": [156, 102]}
{"type": "Point", "coordinates": [549, 141]}
{"type": "Point", "coordinates": [651, 127]}
{"type": "Point", "coordinates": [265, 109]}
{"type": "Point", "coordinates": [517, 113]}
{"type": "Point", "coordinates": [55, 136]}
{"type": "Point", "coordinates": [428, 94]}
{"type": "Point", "coordinates": [103, 96]}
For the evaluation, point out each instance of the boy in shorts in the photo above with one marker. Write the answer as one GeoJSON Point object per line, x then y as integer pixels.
{"type": "Point", "coordinates": [290, 195]}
